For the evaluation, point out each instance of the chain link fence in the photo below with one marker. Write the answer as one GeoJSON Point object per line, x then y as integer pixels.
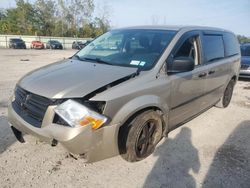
{"type": "Point", "coordinates": [66, 41]}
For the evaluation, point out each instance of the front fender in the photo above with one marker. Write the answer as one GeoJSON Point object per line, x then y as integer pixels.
{"type": "Point", "coordinates": [137, 104]}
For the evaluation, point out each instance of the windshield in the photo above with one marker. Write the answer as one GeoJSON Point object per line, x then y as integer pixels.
{"type": "Point", "coordinates": [131, 48]}
{"type": "Point", "coordinates": [245, 50]}
{"type": "Point", "coordinates": [54, 42]}
{"type": "Point", "coordinates": [16, 40]}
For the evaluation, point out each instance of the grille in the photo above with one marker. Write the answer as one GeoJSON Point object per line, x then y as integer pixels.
{"type": "Point", "coordinates": [30, 107]}
{"type": "Point", "coordinates": [244, 67]}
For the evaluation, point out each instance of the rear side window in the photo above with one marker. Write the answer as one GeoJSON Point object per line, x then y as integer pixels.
{"type": "Point", "coordinates": [213, 47]}
{"type": "Point", "coordinates": [231, 44]}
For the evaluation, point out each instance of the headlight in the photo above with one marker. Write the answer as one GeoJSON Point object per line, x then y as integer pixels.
{"type": "Point", "coordinates": [76, 114]}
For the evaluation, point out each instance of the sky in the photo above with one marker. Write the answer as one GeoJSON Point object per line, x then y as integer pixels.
{"type": "Point", "coordinates": [233, 15]}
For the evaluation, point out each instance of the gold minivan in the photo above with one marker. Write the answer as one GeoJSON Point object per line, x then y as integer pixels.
{"type": "Point", "coordinates": [126, 90]}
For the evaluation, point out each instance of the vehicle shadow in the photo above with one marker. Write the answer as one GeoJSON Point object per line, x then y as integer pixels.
{"type": "Point", "coordinates": [6, 136]}
{"type": "Point", "coordinates": [231, 164]}
{"type": "Point", "coordinates": [176, 158]}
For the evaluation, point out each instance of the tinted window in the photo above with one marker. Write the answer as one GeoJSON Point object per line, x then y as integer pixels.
{"type": "Point", "coordinates": [231, 44]}
{"type": "Point", "coordinates": [16, 40]}
{"type": "Point", "coordinates": [245, 50]}
{"type": "Point", "coordinates": [54, 42]}
{"type": "Point", "coordinates": [213, 47]}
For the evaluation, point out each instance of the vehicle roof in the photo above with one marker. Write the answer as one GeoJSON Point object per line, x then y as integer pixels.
{"type": "Point", "coordinates": [176, 28]}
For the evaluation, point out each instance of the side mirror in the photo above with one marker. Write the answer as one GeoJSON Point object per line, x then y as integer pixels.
{"type": "Point", "coordinates": [180, 64]}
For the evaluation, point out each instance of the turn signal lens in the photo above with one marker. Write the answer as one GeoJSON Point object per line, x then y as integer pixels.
{"type": "Point", "coordinates": [95, 123]}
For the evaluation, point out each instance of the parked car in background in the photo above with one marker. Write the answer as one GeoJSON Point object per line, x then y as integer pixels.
{"type": "Point", "coordinates": [37, 45]}
{"type": "Point", "coordinates": [127, 90]}
{"type": "Point", "coordinates": [54, 44]}
{"type": "Point", "coordinates": [245, 60]}
{"type": "Point", "coordinates": [17, 43]}
{"type": "Point", "coordinates": [80, 44]}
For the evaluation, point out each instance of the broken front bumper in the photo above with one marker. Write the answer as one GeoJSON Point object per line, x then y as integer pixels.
{"type": "Point", "coordinates": [93, 145]}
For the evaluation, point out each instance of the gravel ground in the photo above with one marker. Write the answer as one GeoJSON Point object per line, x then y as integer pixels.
{"type": "Point", "coordinates": [212, 150]}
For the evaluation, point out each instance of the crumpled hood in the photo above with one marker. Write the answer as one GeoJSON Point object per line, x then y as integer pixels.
{"type": "Point", "coordinates": [71, 78]}
{"type": "Point", "coordinates": [245, 60]}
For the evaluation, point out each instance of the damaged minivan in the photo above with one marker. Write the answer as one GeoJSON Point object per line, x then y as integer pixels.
{"type": "Point", "coordinates": [126, 90]}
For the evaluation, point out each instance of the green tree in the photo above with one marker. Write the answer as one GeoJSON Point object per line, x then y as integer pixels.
{"type": "Point", "coordinates": [71, 18]}
{"type": "Point", "coordinates": [102, 22]}
{"type": "Point", "coordinates": [45, 16]}
{"type": "Point", "coordinates": [75, 13]}
{"type": "Point", "coordinates": [2, 14]}
{"type": "Point", "coordinates": [11, 22]}
{"type": "Point", "coordinates": [243, 39]}
{"type": "Point", "coordinates": [25, 17]}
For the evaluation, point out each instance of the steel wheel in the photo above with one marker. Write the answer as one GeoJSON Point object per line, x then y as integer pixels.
{"type": "Point", "coordinates": [145, 139]}
{"type": "Point", "coordinates": [139, 139]}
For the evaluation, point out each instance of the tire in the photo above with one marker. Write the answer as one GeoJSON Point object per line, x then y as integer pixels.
{"type": "Point", "coordinates": [227, 95]}
{"type": "Point", "coordinates": [140, 138]}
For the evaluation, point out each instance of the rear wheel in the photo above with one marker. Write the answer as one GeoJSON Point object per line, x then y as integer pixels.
{"type": "Point", "coordinates": [141, 136]}
{"type": "Point", "coordinates": [227, 96]}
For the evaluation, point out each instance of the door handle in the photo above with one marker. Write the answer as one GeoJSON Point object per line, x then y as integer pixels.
{"type": "Point", "coordinates": [202, 75]}
{"type": "Point", "coordinates": [211, 72]}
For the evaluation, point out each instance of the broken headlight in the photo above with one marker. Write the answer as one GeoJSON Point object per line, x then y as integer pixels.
{"type": "Point", "coordinates": [76, 114]}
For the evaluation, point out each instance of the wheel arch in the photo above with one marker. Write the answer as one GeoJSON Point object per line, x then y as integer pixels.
{"type": "Point", "coordinates": [124, 128]}
{"type": "Point", "coordinates": [234, 78]}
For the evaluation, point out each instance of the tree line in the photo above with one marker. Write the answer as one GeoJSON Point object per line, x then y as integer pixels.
{"type": "Point", "coordinates": [60, 18]}
{"type": "Point", "coordinates": [243, 39]}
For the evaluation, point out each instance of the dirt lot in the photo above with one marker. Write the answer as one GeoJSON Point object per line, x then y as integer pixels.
{"type": "Point", "coordinates": [211, 151]}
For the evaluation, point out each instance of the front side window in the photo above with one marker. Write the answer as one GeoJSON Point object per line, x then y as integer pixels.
{"type": "Point", "coordinates": [132, 47]}
{"type": "Point", "coordinates": [213, 47]}
{"type": "Point", "coordinates": [189, 49]}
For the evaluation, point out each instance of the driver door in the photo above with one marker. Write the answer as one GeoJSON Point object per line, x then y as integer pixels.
{"type": "Point", "coordinates": [187, 88]}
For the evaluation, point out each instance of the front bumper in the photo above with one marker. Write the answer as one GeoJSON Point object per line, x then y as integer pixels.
{"type": "Point", "coordinates": [38, 46]}
{"type": "Point", "coordinates": [244, 73]}
{"type": "Point", "coordinates": [92, 145]}
{"type": "Point", "coordinates": [57, 47]}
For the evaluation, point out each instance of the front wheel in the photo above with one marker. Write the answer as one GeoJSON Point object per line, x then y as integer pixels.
{"type": "Point", "coordinates": [142, 136]}
{"type": "Point", "coordinates": [227, 96]}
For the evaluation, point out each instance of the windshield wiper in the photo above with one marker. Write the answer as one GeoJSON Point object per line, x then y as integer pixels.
{"type": "Point", "coordinates": [138, 71]}
{"type": "Point", "coordinates": [98, 60]}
